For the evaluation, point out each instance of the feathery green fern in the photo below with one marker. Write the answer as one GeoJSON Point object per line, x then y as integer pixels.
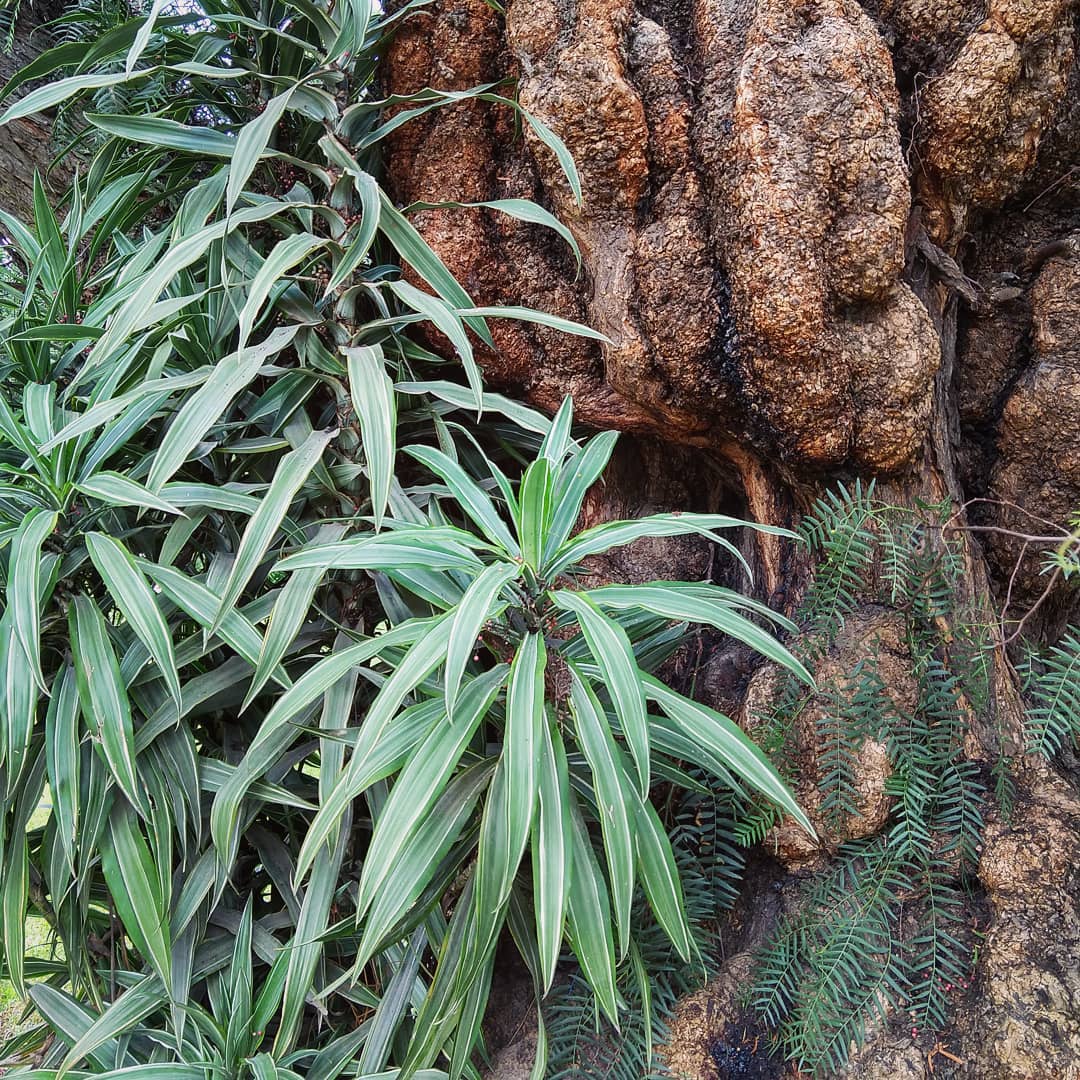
{"type": "Point", "coordinates": [882, 931]}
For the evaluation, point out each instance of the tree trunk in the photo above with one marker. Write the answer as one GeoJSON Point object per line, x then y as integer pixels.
{"type": "Point", "coordinates": [826, 240]}
{"type": "Point", "coordinates": [24, 145]}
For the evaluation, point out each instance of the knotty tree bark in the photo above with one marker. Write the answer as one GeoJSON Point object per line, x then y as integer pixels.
{"type": "Point", "coordinates": [826, 239]}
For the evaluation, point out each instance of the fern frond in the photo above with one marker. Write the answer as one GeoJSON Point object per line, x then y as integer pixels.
{"type": "Point", "coordinates": [1054, 717]}
{"type": "Point", "coordinates": [9, 16]}
{"type": "Point", "coordinates": [939, 959]}
{"type": "Point", "coordinates": [831, 968]}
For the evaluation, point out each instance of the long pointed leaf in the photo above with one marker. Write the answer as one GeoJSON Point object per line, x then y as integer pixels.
{"type": "Point", "coordinates": [614, 808]}
{"type": "Point", "coordinates": [729, 743]}
{"type": "Point", "coordinates": [375, 402]}
{"type": "Point", "coordinates": [290, 474]}
{"type": "Point", "coordinates": [511, 803]}
{"type": "Point", "coordinates": [136, 890]}
{"type": "Point", "coordinates": [104, 698]}
{"type": "Point", "coordinates": [469, 618]}
{"type": "Point", "coordinates": [136, 601]}
{"type": "Point", "coordinates": [552, 852]}
{"type": "Point", "coordinates": [610, 646]}
{"type": "Point", "coordinates": [24, 585]}
{"type": "Point", "coordinates": [422, 782]}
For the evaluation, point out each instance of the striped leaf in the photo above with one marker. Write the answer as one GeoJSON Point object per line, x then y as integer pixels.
{"type": "Point", "coordinates": [375, 402]}
{"type": "Point", "coordinates": [24, 585]}
{"type": "Point", "coordinates": [552, 851]}
{"type": "Point", "coordinates": [119, 490]}
{"type": "Point", "coordinates": [62, 760]}
{"type": "Point", "coordinates": [721, 737]}
{"type": "Point", "coordinates": [251, 143]}
{"type": "Point", "coordinates": [421, 782]}
{"type": "Point", "coordinates": [470, 616]}
{"type": "Point", "coordinates": [291, 608]}
{"type": "Point", "coordinates": [611, 649]}
{"type": "Point", "coordinates": [103, 696]}
{"type": "Point", "coordinates": [511, 803]}
{"type": "Point", "coordinates": [132, 876]}
{"type": "Point", "coordinates": [589, 920]}
{"type": "Point", "coordinates": [471, 497]}
{"type": "Point", "coordinates": [614, 807]}
{"type": "Point", "coordinates": [291, 473]}
{"type": "Point", "coordinates": [213, 398]}
{"type": "Point", "coordinates": [136, 601]}
{"type": "Point", "coordinates": [702, 604]}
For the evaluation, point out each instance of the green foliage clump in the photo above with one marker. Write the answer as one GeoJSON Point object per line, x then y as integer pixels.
{"type": "Point", "coordinates": [654, 976]}
{"type": "Point", "coordinates": [883, 931]}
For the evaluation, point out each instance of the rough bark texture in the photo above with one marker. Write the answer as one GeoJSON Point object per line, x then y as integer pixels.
{"type": "Point", "coordinates": [825, 238]}
{"type": "Point", "coordinates": [25, 143]}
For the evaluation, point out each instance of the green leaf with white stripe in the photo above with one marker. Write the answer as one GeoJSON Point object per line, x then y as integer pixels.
{"type": "Point", "coordinates": [283, 257]}
{"type": "Point", "coordinates": [559, 149]}
{"type": "Point", "coordinates": [72, 1021]}
{"type": "Point", "coordinates": [291, 609]}
{"type": "Point", "coordinates": [62, 760]}
{"type": "Point", "coordinates": [375, 402]}
{"type": "Point", "coordinates": [552, 851]}
{"type": "Point", "coordinates": [105, 705]}
{"type": "Point", "coordinates": [24, 585]}
{"type": "Point", "coordinates": [422, 855]}
{"type": "Point", "coordinates": [611, 649]}
{"type": "Point", "coordinates": [264, 750]}
{"type": "Point", "coordinates": [469, 619]}
{"type": "Point", "coordinates": [511, 802]}
{"type": "Point", "coordinates": [119, 1017]}
{"type": "Point", "coordinates": [163, 133]}
{"type": "Point", "coordinates": [388, 755]}
{"type": "Point", "coordinates": [392, 1008]}
{"type": "Point", "coordinates": [307, 946]}
{"type": "Point", "coordinates": [574, 480]}
{"type": "Point", "coordinates": [534, 511]}
{"type": "Point", "coordinates": [207, 405]}
{"type": "Point", "coordinates": [368, 192]}
{"type": "Point", "coordinates": [589, 920]}
{"type": "Point", "coordinates": [471, 497]}
{"type": "Point", "coordinates": [659, 874]}
{"type": "Point", "coordinates": [18, 706]}
{"type": "Point", "coordinates": [609, 781]}
{"type": "Point", "coordinates": [14, 895]}
{"type": "Point", "coordinates": [290, 475]}
{"type": "Point", "coordinates": [135, 886]}
{"type": "Point", "coordinates": [723, 738]}
{"type": "Point", "coordinates": [137, 603]}
{"type": "Point", "coordinates": [449, 323]}
{"type": "Point", "coordinates": [118, 490]}
{"type": "Point", "coordinates": [192, 596]}
{"type": "Point", "coordinates": [415, 251]}
{"type": "Point", "coordinates": [610, 534]}
{"type": "Point", "coordinates": [421, 782]}
{"type": "Point", "coordinates": [668, 600]}
{"type": "Point", "coordinates": [251, 143]}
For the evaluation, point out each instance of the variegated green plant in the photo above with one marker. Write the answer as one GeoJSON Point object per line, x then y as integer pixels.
{"type": "Point", "coordinates": [543, 727]}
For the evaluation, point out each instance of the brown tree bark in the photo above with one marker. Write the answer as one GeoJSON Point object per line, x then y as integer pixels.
{"type": "Point", "coordinates": [825, 239]}
{"type": "Point", "coordinates": [24, 144]}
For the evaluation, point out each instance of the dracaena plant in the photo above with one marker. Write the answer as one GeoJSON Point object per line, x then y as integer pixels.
{"type": "Point", "coordinates": [535, 726]}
